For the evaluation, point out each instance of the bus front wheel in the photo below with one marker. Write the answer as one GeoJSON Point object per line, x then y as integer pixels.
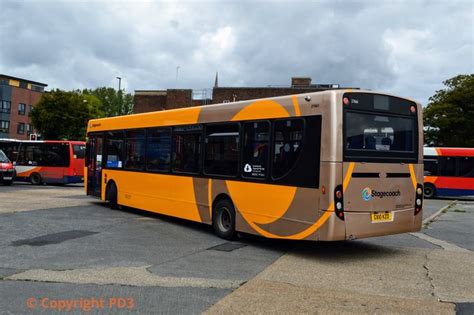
{"type": "Point", "coordinates": [35, 179]}
{"type": "Point", "coordinates": [223, 219]}
{"type": "Point", "coordinates": [430, 191]}
{"type": "Point", "coordinates": [111, 195]}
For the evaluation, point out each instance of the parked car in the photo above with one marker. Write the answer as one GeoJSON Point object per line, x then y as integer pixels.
{"type": "Point", "coordinates": [7, 172]}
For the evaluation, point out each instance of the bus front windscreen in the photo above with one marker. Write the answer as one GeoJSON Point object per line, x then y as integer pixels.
{"type": "Point", "coordinates": [378, 136]}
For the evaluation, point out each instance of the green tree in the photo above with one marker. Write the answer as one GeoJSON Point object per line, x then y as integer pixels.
{"type": "Point", "coordinates": [63, 115]}
{"type": "Point", "coordinates": [113, 102]}
{"type": "Point", "coordinates": [449, 116]}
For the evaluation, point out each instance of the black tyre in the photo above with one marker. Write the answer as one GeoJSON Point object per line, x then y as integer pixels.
{"type": "Point", "coordinates": [223, 219]}
{"type": "Point", "coordinates": [430, 191]}
{"type": "Point", "coordinates": [111, 195]}
{"type": "Point", "coordinates": [7, 182]}
{"type": "Point", "coordinates": [36, 179]}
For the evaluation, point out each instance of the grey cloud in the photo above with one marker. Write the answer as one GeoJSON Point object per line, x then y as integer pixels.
{"type": "Point", "coordinates": [404, 47]}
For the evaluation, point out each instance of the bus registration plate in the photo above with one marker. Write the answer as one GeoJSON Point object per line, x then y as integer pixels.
{"type": "Point", "coordinates": [381, 217]}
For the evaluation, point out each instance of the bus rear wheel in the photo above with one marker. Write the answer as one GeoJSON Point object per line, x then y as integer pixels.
{"type": "Point", "coordinates": [430, 191]}
{"type": "Point", "coordinates": [7, 182]}
{"type": "Point", "coordinates": [223, 219]}
{"type": "Point", "coordinates": [35, 179]}
{"type": "Point", "coordinates": [111, 195]}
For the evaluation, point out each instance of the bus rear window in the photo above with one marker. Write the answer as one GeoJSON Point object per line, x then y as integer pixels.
{"type": "Point", "coordinates": [79, 151]}
{"type": "Point", "coordinates": [379, 135]}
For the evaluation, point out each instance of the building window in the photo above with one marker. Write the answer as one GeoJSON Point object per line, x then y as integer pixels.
{"type": "Point", "coordinates": [37, 88]}
{"type": "Point", "coordinates": [159, 149]}
{"type": "Point", "coordinates": [222, 149]}
{"type": "Point", "coordinates": [187, 149]}
{"type": "Point", "coordinates": [4, 126]}
{"type": "Point", "coordinates": [21, 109]}
{"type": "Point", "coordinates": [30, 108]}
{"type": "Point", "coordinates": [256, 146]}
{"type": "Point", "coordinates": [29, 129]}
{"type": "Point", "coordinates": [5, 106]}
{"type": "Point", "coordinates": [23, 85]}
{"type": "Point", "coordinates": [21, 129]}
{"type": "Point", "coordinates": [135, 150]}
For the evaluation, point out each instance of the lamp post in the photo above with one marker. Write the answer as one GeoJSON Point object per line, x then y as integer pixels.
{"type": "Point", "coordinates": [177, 69]}
{"type": "Point", "coordinates": [120, 82]}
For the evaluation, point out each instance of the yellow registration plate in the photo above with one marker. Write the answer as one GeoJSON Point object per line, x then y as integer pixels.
{"type": "Point", "coordinates": [381, 216]}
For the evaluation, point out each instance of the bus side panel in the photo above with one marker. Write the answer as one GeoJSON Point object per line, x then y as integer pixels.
{"type": "Point", "coordinates": [85, 179]}
{"type": "Point", "coordinates": [452, 186]}
{"type": "Point", "coordinates": [166, 194]}
{"type": "Point", "coordinates": [23, 172]}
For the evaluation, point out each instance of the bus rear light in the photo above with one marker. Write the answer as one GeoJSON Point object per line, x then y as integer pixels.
{"type": "Point", "coordinates": [345, 100]}
{"type": "Point", "coordinates": [413, 109]}
{"type": "Point", "coordinates": [339, 202]}
{"type": "Point", "coordinates": [323, 190]}
{"type": "Point", "coordinates": [418, 198]}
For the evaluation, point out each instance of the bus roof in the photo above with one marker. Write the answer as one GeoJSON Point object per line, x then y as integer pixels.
{"type": "Point", "coordinates": [439, 151]}
{"type": "Point", "coordinates": [215, 112]}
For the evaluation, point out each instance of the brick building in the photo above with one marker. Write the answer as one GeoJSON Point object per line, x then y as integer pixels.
{"type": "Point", "coordinates": [17, 99]}
{"type": "Point", "coordinates": [298, 85]}
{"type": "Point", "coordinates": [153, 100]}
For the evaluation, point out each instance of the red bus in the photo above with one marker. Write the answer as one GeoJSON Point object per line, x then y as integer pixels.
{"type": "Point", "coordinates": [449, 172]}
{"type": "Point", "coordinates": [59, 162]}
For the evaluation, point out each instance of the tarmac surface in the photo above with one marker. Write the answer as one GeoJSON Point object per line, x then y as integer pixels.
{"type": "Point", "coordinates": [58, 246]}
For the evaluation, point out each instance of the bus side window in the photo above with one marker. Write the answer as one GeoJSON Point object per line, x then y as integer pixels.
{"type": "Point", "coordinates": [222, 149]}
{"type": "Point", "coordinates": [135, 149]}
{"type": "Point", "coordinates": [114, 149]}
{"type": "Point", "coordinates": [255, 149]}
{"type": "Point", "coordinates": [158, 149]}
{"type": "Point", "coordinates": [288, 141]}
{"type": "Point", "coordinates": [187, 150]}
{"type": "Point", "coordinates": [447, 166]}
{"type": "Point", "coordinates": [431, 166]}
{"type": "Point", "coordinates": [79, 151]}
{"type": "Point", "coordinates": [466, 166]}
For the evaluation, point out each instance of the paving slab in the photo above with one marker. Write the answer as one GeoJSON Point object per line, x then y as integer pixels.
{"type": "Point", "coordinates": [456, 226]}
{"type": "Point", "coordinates": [358, 278]}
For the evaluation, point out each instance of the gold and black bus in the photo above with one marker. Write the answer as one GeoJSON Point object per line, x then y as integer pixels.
{"type": "Point", "coordinates": [331, 165]}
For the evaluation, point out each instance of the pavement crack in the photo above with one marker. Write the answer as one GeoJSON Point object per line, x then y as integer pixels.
{"type": "Point", "coordinates": [429, 277]}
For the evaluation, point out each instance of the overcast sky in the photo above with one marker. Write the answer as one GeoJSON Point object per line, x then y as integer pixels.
{"type": "Point", "coordinates": [403, 47]}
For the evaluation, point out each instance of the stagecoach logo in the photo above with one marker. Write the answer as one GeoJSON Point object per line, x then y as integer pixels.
{"type": "Point", "coordinates": [368, 194]}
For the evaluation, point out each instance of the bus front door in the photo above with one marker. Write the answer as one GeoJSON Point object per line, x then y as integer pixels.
{"type": "Point", "coordinates": [94, 169]}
